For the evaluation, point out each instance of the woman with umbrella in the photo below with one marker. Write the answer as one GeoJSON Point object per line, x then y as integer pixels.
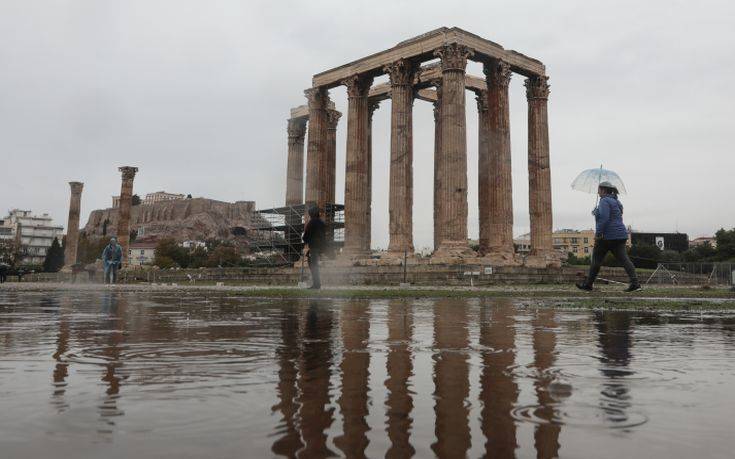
{"type": "Point", "coordinates": [610, 232]}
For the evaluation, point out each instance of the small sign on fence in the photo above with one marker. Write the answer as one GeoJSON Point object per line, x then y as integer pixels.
{"type": "Point", "coordinates": [488, 269]}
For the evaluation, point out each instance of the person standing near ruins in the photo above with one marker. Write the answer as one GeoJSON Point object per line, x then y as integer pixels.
{"type": "Point", "coordinates": [610, 236]}
{"type": "Point", "coordinates": [112, 258]}
{"type": "Point", "coordinates": [315, 238]}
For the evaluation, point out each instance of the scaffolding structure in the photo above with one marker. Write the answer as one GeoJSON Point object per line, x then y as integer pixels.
{"type": "Point", "coordinates": [277, 232]}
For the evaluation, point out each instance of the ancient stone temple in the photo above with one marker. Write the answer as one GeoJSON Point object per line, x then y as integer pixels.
{"type": "Point", "coordinates": [72, 227]}
{"type": "Point", "coordinates": [443, 82]}
{"type": "Point", "coordinates": [126, 201]}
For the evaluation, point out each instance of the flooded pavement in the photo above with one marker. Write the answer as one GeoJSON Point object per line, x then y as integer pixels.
{"type": "Point", "coordinates": [126, 374]}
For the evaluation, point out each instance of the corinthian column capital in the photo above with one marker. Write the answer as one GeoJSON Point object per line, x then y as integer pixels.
{"type": "Point", "coordinates": [454, 56]}
{"type": "Point", "coordinates": [537, 87]}
{"type": "Point", "coordinates": [357, 85]}
{"type": "Point", "coordinates": [128, 172]}
{"type": "Point", "coordinates": [401, 72]}
{"type": "Point", "coordinates": [318, 98]}
{"type": "Point", "coordinates": [296, 128]}
{"type": "Point", "coordinates": [76, 187]}
{"type": "Point", "coordinates": [497, 74]}
{"type": "Point", "coordinates": [333, 117]}
{"type": "Point", "coordinates": [481, 98]}
{"type": "Point", "coordinates": [372, 106]}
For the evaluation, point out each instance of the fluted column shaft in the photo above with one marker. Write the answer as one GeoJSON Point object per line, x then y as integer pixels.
{"type": "Point", "coordinates": [72, 227]}
{"type": "Point", "coordinates": [357, 187]}
{"type": "Point", "coordinates": [401, 157]}
{"type": "Point", "coordinates": [123, 215]}
{"type": "Point", "coordinates": [453, 161]}
{"type": "Point", "coordinates": [496, 190]}
{"type": "Point", "coordinates": [539, 172]}
{"type": "Point", "coordinates": [372, 106]}
{"type": "Point", "coordinates": [330, 166]}
{"type": "Point", "coordinates": [437, 168]}
{"type": "Point", "coordinates": [483, 170]}
{"type": "Point", "coordinates": [295, 166]}
{"type": "Point", "coordinates": [315, 151]}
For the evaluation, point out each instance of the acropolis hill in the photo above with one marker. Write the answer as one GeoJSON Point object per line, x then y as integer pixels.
{"type": "Point", "coordinates": [183, 219]}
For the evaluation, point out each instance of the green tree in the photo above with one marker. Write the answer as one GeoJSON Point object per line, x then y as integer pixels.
{"type": "Point", "coordinates": [169, 253]}
{"type": "Point", "coordinates": [198, 257]}
{"type": "Point", "coordinates": [725, 244]}
{"type": "Point", "coordinates": [645, 255]}
{"type": "Point", "coordinates": [10, 252]}
{"type": "Point", "coordinates": [224, 256]}
{"type": "Point", "coordinates": [90, 248]}
{"type": "Point", "coordinates": [135, 200]}
{"type": "Point", "coordinates": [54, 257]}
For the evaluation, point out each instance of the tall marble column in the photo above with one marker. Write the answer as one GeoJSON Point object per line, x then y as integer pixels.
{"type": "Point", "coordinates": [539, 174]}
{"type": "Point", "coordinates": [357, 187]}
{"type": "Point", "coordinates": [401, 73]}
{"type": "Point", "coordinates": [496, 183]}
{"type": "Point", "coordinates": [372, 106]}
{"type": "Point", "coordinates": [315, 151]}
{"type": "Point", "coordinates": [453, 160]}
{"type": "Point", "coordinates": [72, 226]}
{"type": "Point", "coordinates": [295, 168]}
{"type": "Point", "coordinates": [437, 168]}
{"type": "Point", "coordinates": [483, 169]}
{"type": "Point", "coordinates": [123, 212]}
{"type": "Point", "coordinates": [330, 162]}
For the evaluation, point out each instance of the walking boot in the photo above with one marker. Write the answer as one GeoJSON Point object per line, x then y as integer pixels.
{"type": "Point", "coordinates": [634, 287]}
{"type": "Point", "coordinates": [584, 286]}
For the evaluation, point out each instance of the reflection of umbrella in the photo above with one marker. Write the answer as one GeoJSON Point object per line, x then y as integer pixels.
{"type": "Point", "coordinates": [589, 180]}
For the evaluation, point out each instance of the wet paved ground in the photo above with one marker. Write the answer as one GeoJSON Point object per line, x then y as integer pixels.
{"type": "Point", "coordinates": [158, 374]}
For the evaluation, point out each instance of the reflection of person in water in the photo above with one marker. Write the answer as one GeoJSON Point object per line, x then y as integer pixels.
{"type": "Point", "coordinates": [498, 389]}
{"type": "Point", "coordinates": [615, 344]}
{"type": "Point", "coordinates": [114, 307]}
{"type": "Point", "coordinates": [314, 373]}
{"type": "Point", "coordinates": [287, 354]}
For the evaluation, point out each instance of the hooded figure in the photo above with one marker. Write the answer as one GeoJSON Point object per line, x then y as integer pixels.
{"type": "Point", "coordinates": [610, 236]}
{"type": "Point", "coordinates": [112, 258]}
{"type": "Point", "coordinates": [315, 237]}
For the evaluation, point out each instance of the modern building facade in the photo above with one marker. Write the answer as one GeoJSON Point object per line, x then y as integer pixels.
{"type": "Point", "coordinates": [34, 233]}
{"type": "Point", "coordinates": [577, 242]}
{"type": "Point", "coordinates": [142, 253]}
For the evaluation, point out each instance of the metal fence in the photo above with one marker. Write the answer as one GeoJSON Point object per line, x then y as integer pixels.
{"type": "Point", "coordinates": [693, 273]}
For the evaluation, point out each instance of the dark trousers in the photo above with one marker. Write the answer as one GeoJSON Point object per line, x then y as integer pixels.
{"type": "Point", "coordinates": [617, 247]}
{"type": "Point", "coordinates": [111, 274]}
{"type": "Point", "coordinates": [314, 268]}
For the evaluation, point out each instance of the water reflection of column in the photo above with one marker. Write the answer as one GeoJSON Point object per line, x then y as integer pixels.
{"type": "Point", "coordinates": [546, 436]}
{"type": "Point", "coordinates": [61, 369]}
{"type": "Point", "coordinates": [451, 380]}
{"type": "Point", "coordinates": [615, 344]}
{"type": "Point", "coordinates": [353, 401]}
{"type": "Point", "coordinates": [114, 307]}
{"type": "Point", "coordinates": [313, 383]}
{"type": "Point", "coordinates": [498, 389]}
{"type": "Point", "coordinates": [400, 369]}
{"type": "Point", "coordinates": [289, 441]}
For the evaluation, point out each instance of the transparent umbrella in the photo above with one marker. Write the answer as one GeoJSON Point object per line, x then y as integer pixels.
{"type": "Point", "coordinates": [589, 180]}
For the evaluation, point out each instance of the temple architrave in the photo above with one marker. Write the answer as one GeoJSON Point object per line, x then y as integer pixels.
{"type": "Point", "coordinates": [443, 84]}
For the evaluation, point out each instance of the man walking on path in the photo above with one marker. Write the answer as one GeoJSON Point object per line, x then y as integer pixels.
{"type": "Point", "coordinates": [112, 258]}
{"type": "Point", "coordinates": [315, 238]}
{"type": "Point", "coordinates": [610, 236]}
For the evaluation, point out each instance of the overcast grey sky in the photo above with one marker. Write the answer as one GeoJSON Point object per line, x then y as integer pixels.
{"type": "Point", "coordinates": [196, 94]}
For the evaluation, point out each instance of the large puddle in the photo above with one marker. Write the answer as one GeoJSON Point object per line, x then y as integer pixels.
{"type": "Point", "coordinates": [115, 374]}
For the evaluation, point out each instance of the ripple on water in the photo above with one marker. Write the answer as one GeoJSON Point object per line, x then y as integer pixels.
{"type": "Point", "coordinates": [580, 415]}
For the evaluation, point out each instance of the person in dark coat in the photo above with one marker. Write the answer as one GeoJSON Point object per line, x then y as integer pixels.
{"type": "Point", "coordinates": [112, 259]}
{"type": "Point", "coordinates": [4, 268]}
{"type": "Point", "coordinates": [610, 236]}
{"type": "Point", "coordinates": [315, 238]}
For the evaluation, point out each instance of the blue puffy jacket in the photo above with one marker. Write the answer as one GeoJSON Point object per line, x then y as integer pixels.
{"type": "Point", "coordinates": [609, 219]}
